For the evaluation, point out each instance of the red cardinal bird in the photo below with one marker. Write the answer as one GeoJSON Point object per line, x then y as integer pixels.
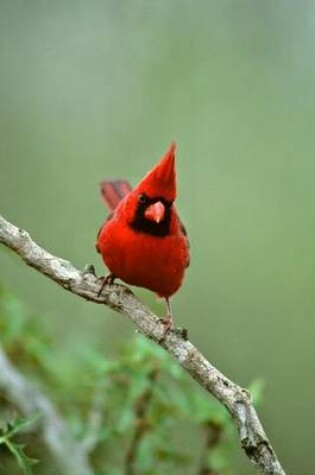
{"type": "Point", "coordinates": [143, 242]}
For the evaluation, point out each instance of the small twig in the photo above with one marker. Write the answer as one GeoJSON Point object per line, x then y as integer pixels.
{"type": "Point", "coordinates": [120, 298]}
{"type": "Point", "coordinates": [141, 423]}
{"type": "Point", "coordinates": [213, 433]}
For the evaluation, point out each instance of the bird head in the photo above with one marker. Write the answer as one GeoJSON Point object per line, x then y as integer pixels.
{"type": "Point", "coordinates": [153, 197]}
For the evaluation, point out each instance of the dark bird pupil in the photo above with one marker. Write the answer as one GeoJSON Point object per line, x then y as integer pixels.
{"type": "Point", "coordinates": [142, 199]}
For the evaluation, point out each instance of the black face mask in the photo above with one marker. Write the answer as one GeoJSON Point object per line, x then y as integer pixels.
{"type": "Point", "coordinates": [143, 225]}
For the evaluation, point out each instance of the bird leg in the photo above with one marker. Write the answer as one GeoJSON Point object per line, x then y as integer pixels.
{"type": "Point", "coordinates": [107, 280]}
{"type": "Point", "coordinates": [168, 321]}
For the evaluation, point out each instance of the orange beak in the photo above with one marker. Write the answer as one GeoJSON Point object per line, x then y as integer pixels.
{"type": "Point", "coordinates": [155, 212]}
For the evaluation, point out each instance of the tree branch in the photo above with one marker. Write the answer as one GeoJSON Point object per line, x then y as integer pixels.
{"type": "Point", "coordinates": [120, 298]}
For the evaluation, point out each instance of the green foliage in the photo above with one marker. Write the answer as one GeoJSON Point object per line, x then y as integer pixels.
{"type": "Point", "coordinates": [145, 403]}
{"type": "Point", "coordinates": [7, 437]}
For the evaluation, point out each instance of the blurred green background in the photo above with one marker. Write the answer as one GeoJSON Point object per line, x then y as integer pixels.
{"type": "Point", "coordinates": [91, 90]}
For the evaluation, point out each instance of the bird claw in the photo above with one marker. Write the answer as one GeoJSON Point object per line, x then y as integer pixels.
{"type": "Point", "coordinates": [168, 324]}
{"type": "Point", "coordinates": [107, 280]}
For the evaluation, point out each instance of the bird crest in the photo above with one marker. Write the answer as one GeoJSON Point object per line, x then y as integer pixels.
{"type": "Point", "coordinates": [161, 180]}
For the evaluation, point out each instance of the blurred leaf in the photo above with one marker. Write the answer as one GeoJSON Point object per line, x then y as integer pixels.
{"type": "Point", "coordinates": [24, 462]}
{"type": "Point", "coordinates": [256, 389]}
{"type": "Point", "coordinates": [208, 409]}
{"type": "Point", "coordinates": [12, 315]}
{"type": "Point", "coordinates": [19, 424]}
{"type": "Point", "coordinates": [126, 420]}
{"type": "Point", "coordinates": [217, 460]}
{"type": "Point", "coordinates": [15, 427]}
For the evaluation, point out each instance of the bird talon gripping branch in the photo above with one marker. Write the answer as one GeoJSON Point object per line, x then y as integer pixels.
{"type": "Point", "coordinates": [143, 241]}
{"type": "Point", "coordinates": [105, 280]}
{"type": "Point", "coordinates": [168, 324]}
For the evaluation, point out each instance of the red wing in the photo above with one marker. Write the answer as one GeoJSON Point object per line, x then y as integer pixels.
{"type": "Point", "coordinates": [184, 232]}
{"type": "Point", "coordinates": [99, 232]}
{"type": "Point", "coordinates": [114, 191]}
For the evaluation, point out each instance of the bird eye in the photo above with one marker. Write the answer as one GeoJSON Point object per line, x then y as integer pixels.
{"type": "Point", "coordinates": [142, 199]}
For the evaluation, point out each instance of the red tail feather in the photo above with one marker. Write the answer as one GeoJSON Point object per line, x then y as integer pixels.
{"type": "Point", "coordinates": [114, 191]}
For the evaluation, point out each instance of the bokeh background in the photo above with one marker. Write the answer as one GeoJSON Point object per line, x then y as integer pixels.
{"type": "Point", "coordinates": [91, 90]}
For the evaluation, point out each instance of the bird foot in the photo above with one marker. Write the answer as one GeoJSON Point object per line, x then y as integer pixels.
{"type": "Point", "coordinates": [107, 280]}
{"type": "Point", "coordinates": [168, 323]}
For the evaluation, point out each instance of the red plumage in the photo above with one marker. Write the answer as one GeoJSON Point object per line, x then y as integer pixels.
{"type": "Point", "coordinates": [143, 242]}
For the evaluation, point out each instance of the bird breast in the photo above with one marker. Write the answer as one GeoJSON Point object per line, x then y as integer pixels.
{"type": "Point", "coordinates": [155, 263]}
